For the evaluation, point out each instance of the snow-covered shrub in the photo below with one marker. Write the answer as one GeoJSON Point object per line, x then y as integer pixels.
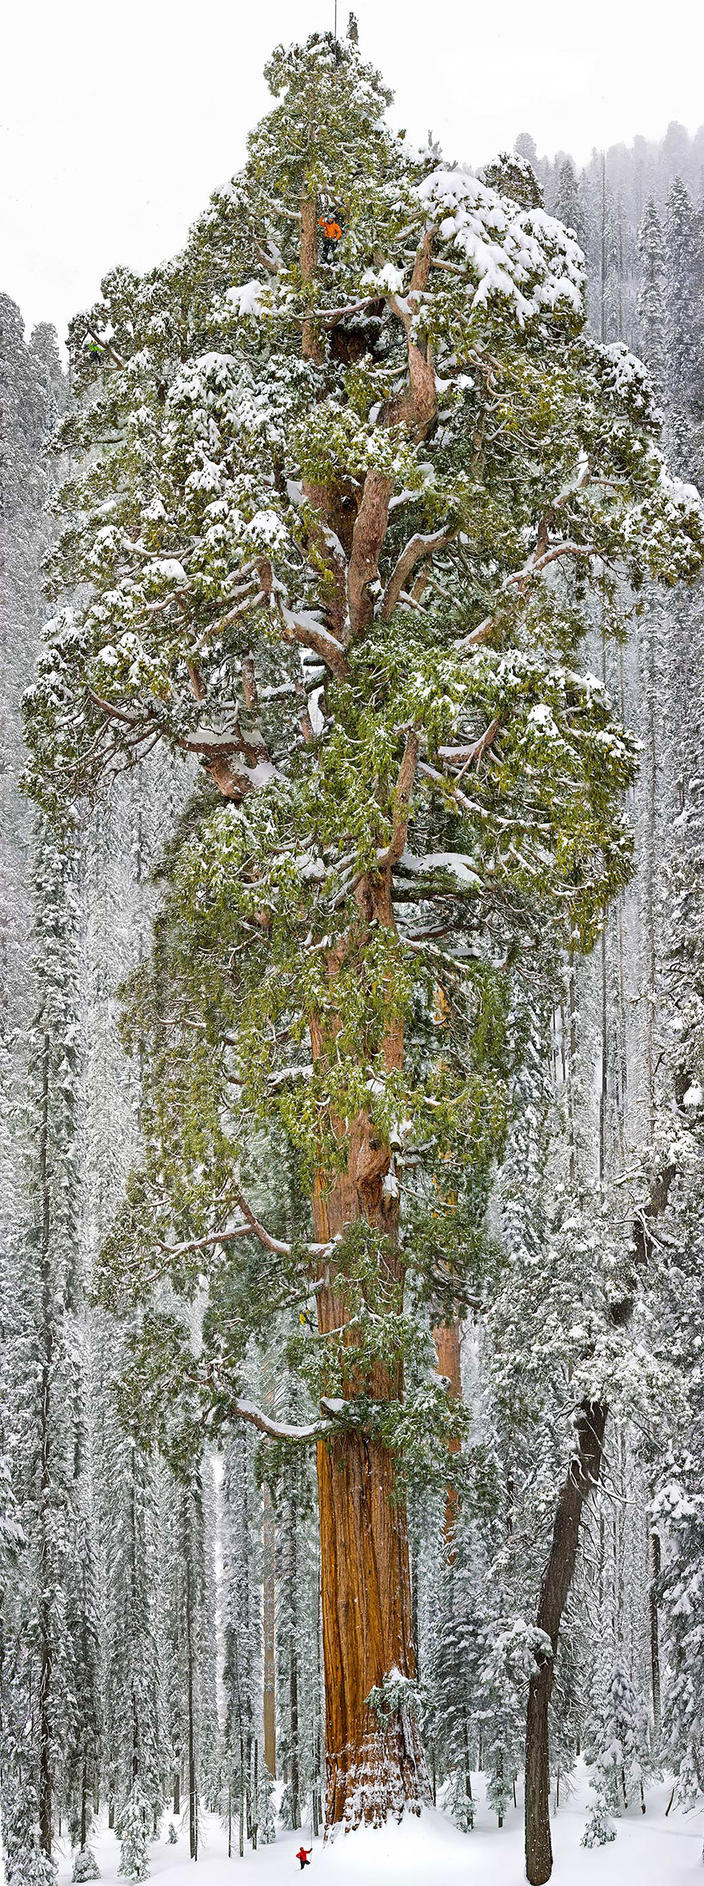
{"type": "Point", "coordinates": [599, 1828]}
{"type": "Point", "coordinates": [85, 1865]}
{"type": "Point", "coordinates": [459, 1803]}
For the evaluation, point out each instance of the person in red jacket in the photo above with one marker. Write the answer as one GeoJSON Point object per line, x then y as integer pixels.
{"type": "Point", "coordinates": [302, 1855]}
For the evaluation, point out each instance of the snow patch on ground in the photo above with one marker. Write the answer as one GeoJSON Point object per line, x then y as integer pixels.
{"type": "Point", "coordinates": [649, 1850]}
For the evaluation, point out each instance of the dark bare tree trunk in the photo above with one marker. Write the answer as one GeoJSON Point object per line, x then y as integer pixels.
{"type": "Point", "coordinates": [269, 1630]}
{"type": "Point", "coordinates": [582, 1477]}
{"type": "Point", "coordinates": [656, 1566]}
{"type": "Point", "coordinates": [293, 1661]}
{"type": "Point", "coordinates": [192, 1783]}
{"type": "Point", "coordinates": [45, 1634]}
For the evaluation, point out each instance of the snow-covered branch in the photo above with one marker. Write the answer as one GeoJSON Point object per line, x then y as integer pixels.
{"type": "Point", "coordinates": [251, 1228]}
{"type": "Point", "coordinates": [279, 1430]}
{"type": "Point", "coordinates": [418, 548]}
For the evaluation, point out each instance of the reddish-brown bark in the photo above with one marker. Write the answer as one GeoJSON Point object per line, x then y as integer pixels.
{"type": "Point", "coordinates": [371, 1770]}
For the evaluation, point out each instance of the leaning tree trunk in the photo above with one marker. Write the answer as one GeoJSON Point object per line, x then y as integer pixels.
{"type": "Point", "coordinates": [582, 1477]}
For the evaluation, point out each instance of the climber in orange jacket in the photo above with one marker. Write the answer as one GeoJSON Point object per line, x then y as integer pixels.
{"type": "Point", "coordinates": [331, 235]}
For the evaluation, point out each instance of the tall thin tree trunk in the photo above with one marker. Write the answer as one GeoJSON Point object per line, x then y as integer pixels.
{"type": "Point", "coordinates": [269, 1630]}
{"type": "Point", "coordinates": [293, 1659]}
{"type": "Point", "coordinates": [447, 1348]}
{"type": "Point", "coordinates": [192, 1782]}
{"type": "Point", "coordinates": [45, 1634]}
{"type": "Point", "coordinates": [255, 1798]}
{"type": "Point", "coordinates": [582, 1477]}
{"type": "Point", "coordinates": [656, 1567]}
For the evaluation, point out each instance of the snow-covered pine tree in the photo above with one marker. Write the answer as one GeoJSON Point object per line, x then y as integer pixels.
{"type": "Point", "coordinates": [134, 1829]}
{"type": "Point", "coordinates": [617, 1747]}
{"type": "Point", "coordinates": [684, 331]}
{"type": "Point", "coordinates": [299, 1728]}
{"type": "Point", "coordinates": [242, 1634]}
{"type": "Point", "coordinates": [46, 1655]}
{"type": "Point", "coordinates": [136, 1733]}
{"type": "Point", "coordinates": [652, 298]}
{"type": "Point", "coordinates": [185, 1581]}
{"type": "Point", "coordinates": [567, 205]}
{"type": "Point", "coordinates": [454, 1622]}
{"type": "Point", "coordinates": [338, 572]}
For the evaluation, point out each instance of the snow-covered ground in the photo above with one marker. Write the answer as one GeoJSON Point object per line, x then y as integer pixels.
{"type": "Point", "coordinates": [649, 1850]}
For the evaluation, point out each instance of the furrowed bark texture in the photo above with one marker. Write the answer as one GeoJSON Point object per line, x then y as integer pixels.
{"type": "Point", "coordinates": [366, 1585]}
{"type": "Point", "coordinates": [582, 1477]}
{"type": "Point", "coordinates": [371, 1770]}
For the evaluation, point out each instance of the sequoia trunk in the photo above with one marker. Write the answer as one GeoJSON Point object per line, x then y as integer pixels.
{"type": "Point", "coordinates": [373, 1767]}
{"type": "Point", "coordinates": [371, 1770]}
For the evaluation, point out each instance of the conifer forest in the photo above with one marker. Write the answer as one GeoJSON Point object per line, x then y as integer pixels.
{"type": "Point", "coordinates": [352, 1024]}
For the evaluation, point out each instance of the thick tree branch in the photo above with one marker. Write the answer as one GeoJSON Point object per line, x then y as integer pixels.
{"type": "Point", "coordinates": [417, 549]}
{"type": "Point", "coordinates": [279, 1430]}
{"type": "Point", "coordinates": [402, 801]}
{"type": "Point", "coordinates": [465, 757]}
{"type": "Point", "coordinates": [370, 529]}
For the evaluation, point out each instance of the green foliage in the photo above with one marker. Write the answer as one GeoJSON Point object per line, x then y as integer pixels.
{"type": "Point", "coordinates": [328, 951]}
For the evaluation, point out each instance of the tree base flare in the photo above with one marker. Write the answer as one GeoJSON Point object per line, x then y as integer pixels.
{"type": "Point", "coordinates": [381, 1780]}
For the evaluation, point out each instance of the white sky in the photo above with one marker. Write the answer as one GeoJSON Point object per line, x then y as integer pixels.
{"type": "Point", "coordinates": [116, 121]}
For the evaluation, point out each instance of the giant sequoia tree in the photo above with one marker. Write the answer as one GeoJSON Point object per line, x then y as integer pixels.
{"type": "Point", "coordinates": [333, 534]}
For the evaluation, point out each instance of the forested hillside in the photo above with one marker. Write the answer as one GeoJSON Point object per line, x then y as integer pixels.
{"type": "Point", "coordinates": [351, 1002]}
